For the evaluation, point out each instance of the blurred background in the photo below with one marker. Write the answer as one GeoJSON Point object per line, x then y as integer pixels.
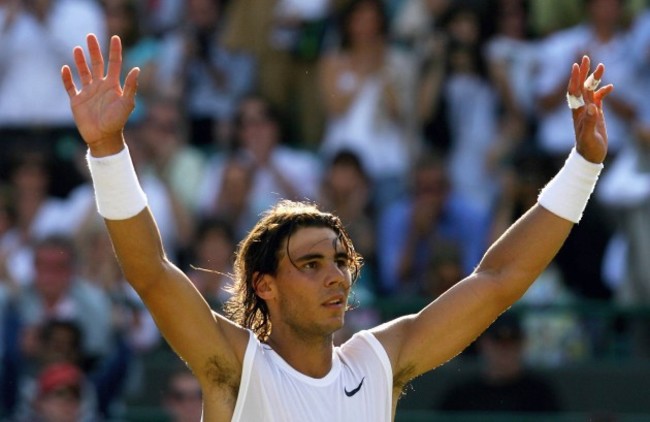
{"type": "Point", "coordinates": [428, 126]}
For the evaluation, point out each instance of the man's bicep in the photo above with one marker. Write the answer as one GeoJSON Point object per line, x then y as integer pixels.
{"type": "Point", "coordinates": [421, 342]}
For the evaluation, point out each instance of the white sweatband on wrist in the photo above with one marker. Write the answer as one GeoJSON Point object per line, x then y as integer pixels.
{"type": "Point", "coordinates": [574, 102]}
{"type": "Point", "coordinates": [117, 191]}
{"type": "Point", "coordinates": [566, 195]}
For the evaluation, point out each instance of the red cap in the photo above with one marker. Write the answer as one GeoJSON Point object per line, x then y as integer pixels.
{"type": "Point", "coordinates": [59, 375]}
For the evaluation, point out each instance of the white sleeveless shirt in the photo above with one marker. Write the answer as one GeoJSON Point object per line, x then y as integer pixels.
{"type": "Point", "coordinates": [358, 388]}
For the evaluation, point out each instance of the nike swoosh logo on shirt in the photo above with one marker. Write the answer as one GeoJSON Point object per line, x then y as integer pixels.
{"type": "Point", "coordinates": [355, 391]}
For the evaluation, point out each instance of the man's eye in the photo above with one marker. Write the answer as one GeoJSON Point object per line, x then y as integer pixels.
{"type": "Point", "coordinates": [310, 265]}
{"type": "Point", "coordinates": [343, 263]}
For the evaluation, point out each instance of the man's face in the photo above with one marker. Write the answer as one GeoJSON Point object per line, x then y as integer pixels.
{"type": "Point", "coordinates": [311, 287]}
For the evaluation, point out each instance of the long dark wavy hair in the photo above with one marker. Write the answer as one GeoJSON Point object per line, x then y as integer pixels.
{"type": "Point", "coordinates": [260, 253]}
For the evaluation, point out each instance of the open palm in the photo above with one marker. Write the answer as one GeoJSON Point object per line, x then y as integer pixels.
{"type": "Point", "coordinates": [102, 106]}
{"type": "Point", "coordinates": [588, 120]}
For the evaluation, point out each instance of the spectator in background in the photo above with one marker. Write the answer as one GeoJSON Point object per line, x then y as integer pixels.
{"type": "Point", "coordinates": [504, 383]}
{"type": "Point", "coordinates": [33, 111]}
{"type": "Point", "coordinates": [60, 343]}
{"type": "Point", "coordinates": [161, 16]}
{"type": "Point", "coordinates": [61, 394]}
{"type": "Point", "coordinates": [416, 22]}
{"type": "Point", "coordinates": [182, 399]}
{"type": "Point", "coordinates": [471, 128]}
{"type": "Point", "coordinates": [37, 213]}
{"type": "Point", "coordinates": [367, 86]}
{"type": "Point", "coordinates": [511, 58]}
{"type": "Point", "coordinates": [625, 192]}
{"type": "Point", "coordinates": [287, 43]}
{"type": "Point", "coordinates": [209, 78]}
{"type": "Point", "coordinates": [211, 260]}
{"type": "Point", "coordinates": [262, 161]}
{"type": "Point", "coordinates": [57, 292]}
{"type": "Point", "coordinates": [233, 199]}
{"type": "Point", "coordinates": [176, 223]}
{"type": "Point", "coordinates": [48, 29]}
{"type": "Point", "coordinates": [444, 269]}
{"type": "Point", "coordinates": [164, 134]}
{"type": "Point", "coordinates": [432, 215]}
{"type": "Point", "coordinates": [98, 265]}
{"type": "Point", "coordinates": [548, 16]}
{"type": "Point", "coordinates": [141, 50]}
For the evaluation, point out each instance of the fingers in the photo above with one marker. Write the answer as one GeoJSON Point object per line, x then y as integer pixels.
{"type": "Point", "coordinates": [96, 59]}
{"type": "Point", "coordinates": [582, 87]}
{"type": "Point", "coordinates": [602, 93]}
{"type": "Point", "coordinates": [82, 67]}
{"type": "Point", "coordinates": [574, 81]}
{"type": "Point", "coordinates": [574, 90]}
{"type": "Point", "coordinates": [114, 58]}
{"type": "Point", "coordinates": [97, 63]}
{"type": "Point", "coordinates": [586, 85]}
{"type": "Point", "coordinates": [68, 83]}
{"type": "Point", "coordinates": [585, 64]}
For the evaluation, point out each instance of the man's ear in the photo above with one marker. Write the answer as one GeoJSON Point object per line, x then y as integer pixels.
{"type": "Point", "coordinates": [264, 286]}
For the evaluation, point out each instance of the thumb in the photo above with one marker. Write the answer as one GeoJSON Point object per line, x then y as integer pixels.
{"type": "Point", "coordinates": [131, 83]}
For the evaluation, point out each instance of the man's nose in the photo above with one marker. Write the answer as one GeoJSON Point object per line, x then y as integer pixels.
{"type": "Point", "coordinates": [338, 275]}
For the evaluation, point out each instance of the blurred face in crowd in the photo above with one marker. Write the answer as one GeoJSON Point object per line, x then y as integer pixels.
{"type": "Point", "coordinates": [345, 180]}
{"type": "Point", "coordinates": [605, 13]}
{"type": "Point", "coordinates": [161, 130]}
{"type": "Point", "coordinates": [465, 27]}
{"type": "Point", "coordinates": [60, 405]}
{"type": "Point", "coordinates": [502, 351]}
{"type": "Point", "coordinates": [203, 13]}
{"type": "Point", "coordinates": [365, 23]}
{"type": "Point", "coordinates": [183, 400]}
{"type": "Point", "coordinates": [58, 393]}
{"type": "Point", "coordinates": [512, 19]}
{"type": "Point", "coordinates": [431, 186]}
{"type": "Point", "coordinates": [122, 19]}
{"type": "Point", "coordinates": [30, 175]}
{"type": "Point", "coordinates": [40, 8]}
{"type": "Point", "coordinates": [53, 271]}
{"type": "Point", "coordinates": [258, 132]}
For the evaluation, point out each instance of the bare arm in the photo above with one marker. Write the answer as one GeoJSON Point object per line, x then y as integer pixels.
{"type": "Point", "coordinates": [101, 109]}
{"type": "Point", "coordinates": [418, 343]}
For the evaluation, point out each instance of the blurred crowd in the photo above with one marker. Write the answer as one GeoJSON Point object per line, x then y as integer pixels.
{"type": "Point", "coordinates": [428, 126]}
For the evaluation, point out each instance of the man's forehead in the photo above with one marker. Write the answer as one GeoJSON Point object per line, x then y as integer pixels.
{"type": "Point", "coordinates": [314, 238]}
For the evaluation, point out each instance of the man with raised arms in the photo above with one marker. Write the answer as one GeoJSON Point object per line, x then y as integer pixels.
{"type": "Point", "coordinates": [272, 358]}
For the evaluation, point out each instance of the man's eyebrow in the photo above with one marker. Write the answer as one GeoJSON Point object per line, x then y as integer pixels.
{"type": "Point", "coordinates": [309, 257]}
{"type": "Point", "coordinates": [312, 256]}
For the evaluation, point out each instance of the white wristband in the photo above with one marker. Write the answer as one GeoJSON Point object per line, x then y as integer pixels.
{"type": "Point", "coordinates": [566, 195]}
{"type": "Point", "coordinates": [117, 191]}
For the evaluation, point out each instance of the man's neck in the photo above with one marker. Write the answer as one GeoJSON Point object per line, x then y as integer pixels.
{"type": "Point", "coordinates": [311, 356]}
